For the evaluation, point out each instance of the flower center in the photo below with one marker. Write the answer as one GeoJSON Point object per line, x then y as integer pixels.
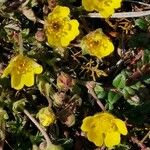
{"type": "Point", "coordinates": [22, 66]}
{"type": "Point", "coordinates": [92, 43]}
{"type": "Point", "coordinates": [56, 26]}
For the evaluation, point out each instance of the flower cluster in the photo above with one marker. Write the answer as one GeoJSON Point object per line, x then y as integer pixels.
{"type": "Point", "coordinates": [104, 129]}
{"type": "Point", "coordinates": [22, 70]}
{"type": "Point", "coordinates": [60, 29]}
{"type": "Point", "coordinates": [97, 44]}
{"type": "Point", "coordinates": [46, 116]}
{"type": "Point", "coordinates": [105, 7]}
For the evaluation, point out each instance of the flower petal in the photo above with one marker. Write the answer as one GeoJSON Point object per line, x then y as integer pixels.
{"type": "Point", "coordinates": [72, 32]}
{"type": "Point", "coordinates": [37, 68]}
{"type": "Point", "coordinates": [95, 137]}
{"type": "Point", "coordinates": [86, 123]}
{"type": "Point", "coordinates": [88, 5]}
{"type": "Point", "coordinates": [121, 126]}
{"type": "Point", "coordinates": [117, 3]}
{"type": "Point", "coordinates": [106, 49]}
{"type": "Point", "coordinates": [28, 79]}
{"type": "Point", "coordinates": [107, 12]}
{"type": "Point", "coordinates": [52, 41]}
{"type": "Point", "coordinates": [16, 81]}
{"type": "Point", "coordinates": [7, 71]}
{"type": "Point", "coordinates": [112, 139]}
{"type": "Point", "coordinates": [61, 11]}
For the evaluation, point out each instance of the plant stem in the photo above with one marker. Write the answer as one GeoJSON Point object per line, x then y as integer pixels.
{"type": "Point", "coordinates": [145, 137]}
{"type": "Point", "coordinates": [20, 44]}
{"type": "Point", "coordinates": [121, 14]}
{"type": "Point", "coordinates": [90, 86]}
{"type": "Point", "coordinates": [48, 141]}
{"type": "Point", "coordinates": [139, 143]}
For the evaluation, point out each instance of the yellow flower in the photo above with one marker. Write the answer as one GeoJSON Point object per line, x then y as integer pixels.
{"type": "Point", "coordinates": [22, 70]}
{"type": "Point", "coordinates": [60, 29]}
{"type": "Point", "coordinates": [104, 7]}
{"type": "Point", "coordinates": [46, 116]}
{"type": "Point", "coordinates": [104, 129]}
{"type": "Point", "coordinates": [97, 44]}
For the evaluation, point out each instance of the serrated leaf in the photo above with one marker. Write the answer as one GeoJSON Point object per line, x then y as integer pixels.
{"type": "Point", "coordinates": [130, 90]}
{"type": "Point", "coordinates": [110, 106]}
{"type": "Point", "coordinates": [99, 90]}
{"type": "Point", "coordinates": [113, 97]}
{"type": "Point", "coordinates": [119, 81]}
{"type": "Point", "coordinates": [137, 86]}
{"type": "Point", "coordinates": [125, 93]}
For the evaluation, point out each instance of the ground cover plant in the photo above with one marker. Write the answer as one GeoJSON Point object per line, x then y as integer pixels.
{"type": "Point", "coordinates": [74, 75]}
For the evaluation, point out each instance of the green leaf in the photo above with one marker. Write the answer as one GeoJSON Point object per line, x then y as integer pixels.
{"type": "Point", "coordinates": [113, 97]}
{"type": "Point", "coordinates": [141, 23]}
{"type": "Point", "coordinates": [137, 86]}
{"type": "Point", "coordinates": [119, 81]}
{"type": "Point", "coordinates": [99, 90]}
{"type": "Point", "coordinates": [130, 90]}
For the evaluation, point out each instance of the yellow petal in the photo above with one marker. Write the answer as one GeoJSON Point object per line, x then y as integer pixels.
{"type": "Point", "coordinates": [116, 3]}
{"type": "Point", "coordinates": [37, 68]}
{"type": "Point", "coordinates": [88, 5]}
{"type": "Point", "coordinates": [74, 27]}
{"type": "Point", "coordinates": [121, 126]}
{"type": "Point", "coordinates": [86, 125]}
{"type": "Point", "coordinates": [107, 49]}
{"type": "Point", "coordinates": [107, 12]}
{"type": "Point", "coordinates": [61, 11]}
{"type": "Point", "coordinates": [72, 32]}
{"type": "Point", "coordinates": [28, 79]}
{"type": "Point", "coordinates": [16, 81]}
{"type": "Point", "coordinates": [95, 137]}
{"type": "Point", "coordinates": [52, 41]}
{"type": "Point", "coordinates": [112, 139]}
{"type": "Point", "coordinates": [7, 71]}
{"type": "Point", "coordinates": [65, 41]}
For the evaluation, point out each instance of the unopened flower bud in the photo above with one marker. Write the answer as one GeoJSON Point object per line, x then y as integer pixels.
{"type": "Point", "coordinates": [46, 116]}
{"type": "Point", "coordinates": [65, 82]}
{"type": "Point", "coordinates": [58, 98]}
{"type": "Point", "coordinates": [40, 36]}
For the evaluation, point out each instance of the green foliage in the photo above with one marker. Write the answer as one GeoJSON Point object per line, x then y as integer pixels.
{"type": "Point", "coordinates": [124, 91]}
{"type": "Point", "coordinates": [100, 92]}
{"type": "Point", "coordinates": [113, 97]}
{"type": "Point", "coordinates": [142, 23]}
{"type": "Point", "coordinates": [119, 81]}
